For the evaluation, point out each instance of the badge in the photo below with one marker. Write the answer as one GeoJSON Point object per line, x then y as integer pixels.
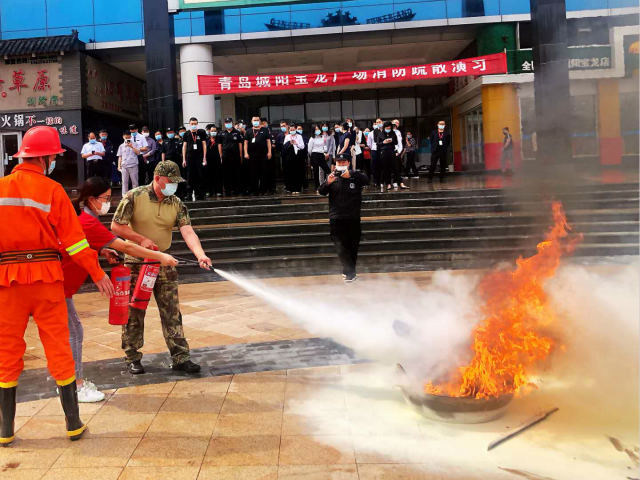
{"type": "Point", "coordinates": [195, 146]}
{"type": "Point", "coordinates": [440, 142]}
{"type": "Point", "coordinates": [352, 185]}
{"type": "Point", "coordinates": [253, 140]}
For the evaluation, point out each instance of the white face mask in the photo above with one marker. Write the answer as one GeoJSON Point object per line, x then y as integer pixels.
{"type": "Point", "coordinates": [145, 134]}
{"type": "Point", "coordinates": [440, 127]}
{"type": "Point", "coordinates": [169, 189]}
{"type": "Point", "coordinates": [52, 166]}
{"type": "Point", "coordinates": [106, 206]}
{"type": "Point", "coordinates": [342, 168]}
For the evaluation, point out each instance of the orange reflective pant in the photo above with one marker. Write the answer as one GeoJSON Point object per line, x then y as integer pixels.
{"type": "Point", "coordinates": [45, 302]}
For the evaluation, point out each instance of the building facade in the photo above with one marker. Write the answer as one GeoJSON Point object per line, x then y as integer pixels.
{"type": "Point", "coordinates": [165, 44]}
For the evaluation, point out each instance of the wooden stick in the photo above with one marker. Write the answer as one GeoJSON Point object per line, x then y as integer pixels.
{"type": "Point", "coordinates": [521, 429]}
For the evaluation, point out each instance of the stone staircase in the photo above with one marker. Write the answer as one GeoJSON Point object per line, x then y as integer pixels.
{"type": "Point", "coordinates": [466, 228]}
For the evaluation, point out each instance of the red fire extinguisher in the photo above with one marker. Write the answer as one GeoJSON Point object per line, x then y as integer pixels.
{"type": "Point", "coordinates": [119, 303]}
{"type": "Point", "coordinates": [144, 286]}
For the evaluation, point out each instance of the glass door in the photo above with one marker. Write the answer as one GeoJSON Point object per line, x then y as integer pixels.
{"type": "Point", "coordinates": [9, 144]}
{"type": "Point", "coordinates": [474, 144]}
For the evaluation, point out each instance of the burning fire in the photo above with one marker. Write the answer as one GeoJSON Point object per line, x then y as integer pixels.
{"type": "Point", "coordinates": [509, 341]}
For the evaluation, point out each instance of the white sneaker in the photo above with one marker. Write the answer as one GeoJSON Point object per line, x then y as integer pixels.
{"type": "Point", "coordinates": [89, 384]}
{"type": "Point", "coordinates": [87, 395]}
{"type": "Point", "coordinates": [381, 188]}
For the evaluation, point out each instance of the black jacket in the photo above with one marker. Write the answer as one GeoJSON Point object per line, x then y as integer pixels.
{"type": "Point", "coordinates": [435, 141]}
{"type": "Point", "coordinates": [345, 195]}
{"type": "Point", "coordinates": [382, 136]}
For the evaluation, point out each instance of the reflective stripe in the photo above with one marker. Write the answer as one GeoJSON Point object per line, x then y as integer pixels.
{"type": "Point", "coordinates": [68, 381]}
{"type": "Point", "coordinates": [8, 384]}
{"type": "Point", "coordinates": [78, 247]}
{"type": "Point", "coordinates": [24, 202]}
{"type": "Point", "coordinates": [73, 433]}
{"type": "Point", "coordinates": [6, 440]}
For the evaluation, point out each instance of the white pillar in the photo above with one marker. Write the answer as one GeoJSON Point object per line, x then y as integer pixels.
{"type": "Point", "coordinates": [196, 59]}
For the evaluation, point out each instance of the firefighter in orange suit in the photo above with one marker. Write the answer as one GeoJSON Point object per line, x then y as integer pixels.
{"type": "Point", "coordinates": [36, 220]}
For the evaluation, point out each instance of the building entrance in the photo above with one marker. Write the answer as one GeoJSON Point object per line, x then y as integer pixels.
{"type": "Point", "coordinates": [9, 144]}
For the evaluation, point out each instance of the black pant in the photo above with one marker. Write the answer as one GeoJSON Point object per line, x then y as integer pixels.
{"type": "Point", "coordinates": [94, 169]}
{"type": "Point", "coordinates": [294, 171]}
{"type": "Point", "coordinates": [387, 159]}
{"type": "Point", "coordinates": [268, 175]}
{"type": "Point", "coordinates": [195, 177]}
{"type": "Point", "coordinates": [346, 234]}
{"type": "Point", "coordinates": [231, 171]}
{"type": "Point", "coordinates": [438, 156]}
{"type": "Point", "coordinates": [213, 175]}
{"type": "Point", "coordinates": [411, 168]}
{"type": "Point", "coordinates": [318, 161]}
{"type": "Point", "coordinates": [397, 168]}
{"type": "Point", "coordinates": [254, 172]}
{"type": "Point", "coordinates": [376, 169]}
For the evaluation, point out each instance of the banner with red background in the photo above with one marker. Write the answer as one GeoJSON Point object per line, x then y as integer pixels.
{"type": "Point", "coordinates": [221, 84]}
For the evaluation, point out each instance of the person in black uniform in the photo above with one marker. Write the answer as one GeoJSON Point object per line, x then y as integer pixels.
{"type": "Point", "coordinates": [440, 142]}
{"type": "Point", "coordinates": [230, 149]}
{"type": "Point", "coordinates": [257, 151]}
{"type": "Point", "coordinates": [344, 187]}
{"type": "Point", "coordinates": [194, 159]}
{"type": "Point", "coordinates": [213, 171]}
{"type": "Point", "coordinates": [387, 141]}
{"type": "Point", "coordinates": [172, 150]}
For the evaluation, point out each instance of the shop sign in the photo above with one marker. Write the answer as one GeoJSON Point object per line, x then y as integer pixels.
{"type": "Point", "coordinates": [26, 86]}
{"type": "Point", "coordinates": [221, 84]}
{"type": "Point", "coordinates": [26, 120]}
{"type": "Point", "coordinates": [580, 58]}
{"type": "Point", "coordinates": [113, 91]}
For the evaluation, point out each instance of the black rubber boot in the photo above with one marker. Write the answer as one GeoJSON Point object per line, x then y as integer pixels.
{"type": "Point", "coordinates": [7, 414]}
{"type": "Point", "coordinates": [69, 400]}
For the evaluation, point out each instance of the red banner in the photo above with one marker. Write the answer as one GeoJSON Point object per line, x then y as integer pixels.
{"type": "Point", "coordinates": [221, 84]}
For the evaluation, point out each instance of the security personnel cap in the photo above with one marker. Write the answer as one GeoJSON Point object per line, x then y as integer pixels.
{"type": "Point", "coordinates": [228, 119]}
{"type": "Point", "coordinates": [170, 169]}
{"type": "Point", "coordinates": [133, 126]}
{"type": "Point", "coordinates": [170, 129]}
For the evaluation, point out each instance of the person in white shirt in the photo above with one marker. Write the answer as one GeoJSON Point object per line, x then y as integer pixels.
{"type": "Point", "coordinates": [92, 152]}
{"type": "Point", "coordinates": [318, 148]}
{"type": "Point", "coordinates": [139, 142]}
{"type": "Point", "coordinates": [372, 143]}
{"type": "Point", "coordinates": [397, 164]}
{"type": "Point", "coordinates": [128, 154]}
{"type": "Point", "coordinates": [293, 160]}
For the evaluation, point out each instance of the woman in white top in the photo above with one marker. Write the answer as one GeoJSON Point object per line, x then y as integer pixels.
{"type": "Point", "coordinates": [293, 161]}
{"type": "Point", "coordinates": [318, 148]}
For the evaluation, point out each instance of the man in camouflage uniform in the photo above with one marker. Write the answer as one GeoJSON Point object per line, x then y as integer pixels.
{"type": "Point", "coordinates": [147, 216]}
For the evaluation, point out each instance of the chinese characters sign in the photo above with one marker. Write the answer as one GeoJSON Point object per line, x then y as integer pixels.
{"type": "Point", "coordinates": [580, 58]}
{"type": "Point", "coordinates": [27, 120]}
{"type": "Point", "coordinates": [113, 91]}
{"type": "Point", "coordinates": [219, 84]}
{"type": "Point", "coordinates": [25, 86]}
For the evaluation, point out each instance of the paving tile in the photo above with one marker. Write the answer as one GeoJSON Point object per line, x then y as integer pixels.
{"type": "Point", "coordinates": [189, 402]}
{"type": "Point", "coordinates": [327, 423]}
{"type": "Point", "coordinates": [42, 427]}
{"type": "Point", "coordinates": [252, 402]}
{"type": "Point", "coordinates": [164, 452]}
{"type": "Point", "coordinates": [32, 453]}
{"type": "Point", "coordinates": [98, 452]}
{"type": "Point", "coordinates": [22, 474]}
{"type": "Point", "coordinates": [102, 473]}
{"type": "Point", "coordinates": [390, 449]}
{"type": "Point", "coordinates": [203, 385]}
{"type": "Point", "coordinates": [54, 407]}
{"type": "Point", "coordinates": [265, 472]}
{"type": "Point", "coordinates": [396, 472]}
{"type": "Point", "coordinates": [240, 424]}
{"type": "Point", "coordinates": [243, 450]}
{"type": "Point", "coordinates": [260, 384]}
{"type": "Point", "coordinates": [317, 472]}
{"type": "Point", "coordinates": [132, 425]}
{"type": "Point", "coordinates": [182, 425]}
{"type": "Point", "coordinates": [159, 473]}
{"type": "Point", "coordinates": [309, 450]}
{"type": "Point", "coordinates": [123, 403]}
{"type": "Point", "coordinates": [27, 409]}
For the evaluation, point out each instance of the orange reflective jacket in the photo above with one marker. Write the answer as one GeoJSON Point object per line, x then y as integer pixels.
{"type": "Point", "coordinates": [36, 214]}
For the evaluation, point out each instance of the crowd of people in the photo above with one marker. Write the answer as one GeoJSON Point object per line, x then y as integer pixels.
{"type": "Point", "coordinates": [240, 159]}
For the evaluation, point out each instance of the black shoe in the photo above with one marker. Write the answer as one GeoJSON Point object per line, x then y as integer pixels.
{"type": "Point", "coordinates": [136, 368]}
{"type": "Point", "coordinates": [188, 367]}
{"type": "Point", "coordinates": [69, 400]}
{"type": "Point", "coordinates": [7, 415]}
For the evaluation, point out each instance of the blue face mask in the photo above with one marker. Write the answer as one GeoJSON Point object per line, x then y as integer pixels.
{"type": "Point", "coordinates": [388, 130]}
{"type": "Point", "coordinates": [158, 137]}
{"type": "Point", "coordinates": [193, 128]}
{"type": "Point", "coordinates": [255, 124]}
{"type": "Point", "coordinates": [103, 137]}
{"type": "Point", "coordinates": [284, 129]}
{"type": "Point", "coordinates": [318, 132]}
{"type": "Point", "coordinates": [228, 125]}
{"type": "Point", "coordinates": [338, 130]}
{"type": "Point", "coordinates": [213, 134]}
{"type": "Point", "coordinates": [93, 141]}
{"type": "Point", "coordinates": [169, 189]}
{"type": "Point", "coordinates": [171, 135]}
{"type": "Point", "coordinates": [52, 166]}
{"type": "Point", "coordinates": [181, 134]}
{"type": "Point", "coordinates": [299, 131]}
{"type": "Point", "coordinates": [366, 134]}
{"type": "Point", "coordinates": [325, 129]}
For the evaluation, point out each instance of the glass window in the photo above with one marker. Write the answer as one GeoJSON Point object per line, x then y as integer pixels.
{"type": "Point", "coordinates": [231, 24]}
{"type": "Point", "coordinates": [182, 27]}
{"type": "Point", "coordinates": [86, 34]}
{"type": "Point", "coordinates": [276, 113]}
{"type": "Point", "coordinates": [119, 32]}
{"type": "Point", "coordinates": [407, 107]}
{"type": "Point", "coordinates": [197, 26]}
{"type": "Point", "coordinates": [583, 127]}
{"type": "Point", "coordinates": [23, 34]}
{"type": "Point", "coordinates": [213, 22]}
{"type": "Point", "coordinates": [115, 11]}
{"type": "Point", "coordinates": [24, 15]}
{"type": "Point", "coordinates": [585, 4]}
{"type": "Point", "coordinates": [512, 7]}
{"type": "Point", "coordinates": [321, 107]}
{"type": "Point", "coordinates": [408, 11]}
{"type": "Point", "coordinates": [69, 13]}
{"type": "Point", "coordinates": [389, 107]}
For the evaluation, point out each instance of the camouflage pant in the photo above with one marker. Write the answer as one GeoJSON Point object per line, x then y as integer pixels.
{"type": "Point", "coordinates": [165, 292]}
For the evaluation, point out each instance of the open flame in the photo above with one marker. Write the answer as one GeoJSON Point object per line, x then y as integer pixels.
{"type": "Point", "coordinates": [510, 340]}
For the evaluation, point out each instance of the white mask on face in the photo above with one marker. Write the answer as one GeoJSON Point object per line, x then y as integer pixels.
{"type": "Point", "coordinates": [169, 189]}
{"type": "Point", "coordinates": [106, 206]}
{"type": "Point", "coordinates": [145, 134]}
{"type": "Point", "coordinates": [440, 127]}
{"type": "Point", "coordinates": [342, 168]}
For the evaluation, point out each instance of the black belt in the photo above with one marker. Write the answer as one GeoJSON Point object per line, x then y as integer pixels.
{"type": "Point", "coordinates": [29, 256]}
